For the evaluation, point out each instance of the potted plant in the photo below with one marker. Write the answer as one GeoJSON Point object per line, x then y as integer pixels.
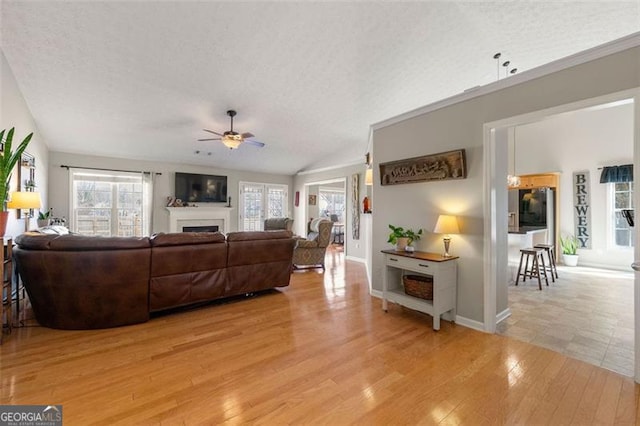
{"type": "Point", "coordinates": [569, 245]}
{"type": "Point", "coordinates": [44, 218]}
{"type": "Point", "coordinates": [8, 160]}
{"type": "Point", "coordinates": [402, 238]}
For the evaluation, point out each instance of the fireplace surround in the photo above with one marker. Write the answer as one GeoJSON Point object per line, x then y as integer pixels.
{"type": "Point", "coordinates": [180, 217]}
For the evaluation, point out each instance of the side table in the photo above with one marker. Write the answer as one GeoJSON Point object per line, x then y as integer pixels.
{"type": "Point", "coordinates": [6, 299]}
{"type": "Point", "coordinates": [443, 271]}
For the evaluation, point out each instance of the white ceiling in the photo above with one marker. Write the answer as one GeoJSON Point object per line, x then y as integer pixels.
{"type": "Point", "coordinates": [142, 79]}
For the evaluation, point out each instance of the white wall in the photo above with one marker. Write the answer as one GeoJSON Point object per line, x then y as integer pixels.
{"type": "Point", "coordinates": [164, 185]}
{"type": "Point", "coordinates": [353, 248]}
{"type": "Point", "coordinates": [14, 112]}
{"type": "Point", "coordinates": [312, 210]}
{"type": "Point", "coordinates": [461, 126]}
{"type": "Point", "coordinates": [582, 140]}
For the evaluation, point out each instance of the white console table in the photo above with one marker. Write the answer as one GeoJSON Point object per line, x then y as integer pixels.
{"type": "Point", "coordinates": [443, 270]}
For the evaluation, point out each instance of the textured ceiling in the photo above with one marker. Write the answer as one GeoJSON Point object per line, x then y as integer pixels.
{"type": "Point", "coordinates": [142, 79]}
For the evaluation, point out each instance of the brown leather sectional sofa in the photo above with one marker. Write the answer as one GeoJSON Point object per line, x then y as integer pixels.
{"type": "Point", "coordinates": [80, 282]}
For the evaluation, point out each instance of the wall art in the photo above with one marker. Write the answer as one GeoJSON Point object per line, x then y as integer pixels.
{"type": "Point", "coordinates": [355, 206]}
{"type": "Point", "coordinates": [442, 166]}
{"type": "Point", "coordinates": [582, 208]}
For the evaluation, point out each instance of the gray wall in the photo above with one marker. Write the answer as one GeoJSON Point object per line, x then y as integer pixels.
{"type": "Point", "coordinates": [461, 126]}
{"type": "Point", "coordinates": [14, 112]}
{"type": "Point", "coordinates": [164, 185]}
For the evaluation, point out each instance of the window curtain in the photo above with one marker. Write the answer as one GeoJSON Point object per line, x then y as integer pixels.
{"type": "Point", "coordinates": [148, 199]}
{"type": "Point", "coordinates": [617, 174]}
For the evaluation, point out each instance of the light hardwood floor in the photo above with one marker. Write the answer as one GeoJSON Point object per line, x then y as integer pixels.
{"type": "Point", "coordinates": [321, 351]}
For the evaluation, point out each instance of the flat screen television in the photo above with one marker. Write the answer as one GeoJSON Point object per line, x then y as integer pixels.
{"type": "Point", "coordinates": [196, 188]}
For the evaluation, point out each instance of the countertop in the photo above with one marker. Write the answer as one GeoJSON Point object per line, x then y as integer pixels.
{"type": "Point", "coordinates": [525, 229]}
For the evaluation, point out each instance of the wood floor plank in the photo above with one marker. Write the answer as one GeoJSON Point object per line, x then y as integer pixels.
{"type": "Point", "coordinates": [608, 404]}
{"type": "Point", "coordinates": [320, 351]}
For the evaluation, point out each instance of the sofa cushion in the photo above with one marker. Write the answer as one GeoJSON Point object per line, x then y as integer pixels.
{"type": "Point", "coordinates": [181, 238]}
{"type": "Point", "coordinates": [93, 243]}
{"type": "Point", "coordinates": [277, 223]}
{"type": "Point", "coordinates": [258, 235]}
{"type": "Point", "coordinates": [314, 226]}
{"type": "Point", "coordinates": [35, 241]}
{"type": "Point", "coordinates": [75, 242]}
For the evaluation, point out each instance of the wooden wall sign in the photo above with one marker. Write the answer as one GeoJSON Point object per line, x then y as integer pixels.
{"type": "Point", "coordinates": [582, 209]}
{"type": "Point", "coordinates": [355, 206]}
{"type": "Point", "coordinates": [443, 166]}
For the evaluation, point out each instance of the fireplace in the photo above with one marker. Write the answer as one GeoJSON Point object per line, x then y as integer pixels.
{"type": "Point", "coordinates": [184, 217]}
{"type": "Point", "coordinates": [208, 228]}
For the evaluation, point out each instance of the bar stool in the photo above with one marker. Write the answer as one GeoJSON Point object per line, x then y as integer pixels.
{"type": "Point", "coordinates": [535, 266]}
{"type": "Point", "coordinates": [550, 250]}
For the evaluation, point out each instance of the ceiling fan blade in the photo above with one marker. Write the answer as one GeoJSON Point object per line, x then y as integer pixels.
{"type": "Point", "coordinates": [213, 139]}
{"type": "Point", "coordinates": [247, 135]}
{"type": "Point", "coordinates": [211, 131]}
{"type": "Point", "coordinates": [256, 143]}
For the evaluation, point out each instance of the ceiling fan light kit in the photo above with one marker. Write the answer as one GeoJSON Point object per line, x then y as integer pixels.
{"type": "Point", "coordinates": [231, 139]}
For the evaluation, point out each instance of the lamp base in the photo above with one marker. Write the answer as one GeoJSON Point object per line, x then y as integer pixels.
{"type": "Point", "coordinates": [447, 241]}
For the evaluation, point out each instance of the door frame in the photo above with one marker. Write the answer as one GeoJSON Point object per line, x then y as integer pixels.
{"type": "Point", "coordinates": [264, 185]}
{"type": "Point", "coordinates": [305, 197]}
{"type": "Point", "coordinates": [495, 194]}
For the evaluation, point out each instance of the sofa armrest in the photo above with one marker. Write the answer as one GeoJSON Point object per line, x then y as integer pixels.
{"type": "Point", "coordinates": [307, 244]}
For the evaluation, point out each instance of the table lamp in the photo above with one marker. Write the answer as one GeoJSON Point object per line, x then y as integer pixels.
{"type": "Point", "coordinates": [25, 200]}
{"type": "Point", "coordinates": [446, 224]}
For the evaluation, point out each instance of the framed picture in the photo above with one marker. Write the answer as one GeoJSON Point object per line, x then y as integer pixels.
{"type": "Point", "coordinates": [312, 200]}
{"type": "Point", "coordinates": [297, 199]}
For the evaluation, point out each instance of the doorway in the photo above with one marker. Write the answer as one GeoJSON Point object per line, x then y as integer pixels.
{"type": "Point", "coordinates": [260, 201]}
{"type": "Point", "coordinates": [328, 199]}
{"type": "Point", "coordinates": [496, 160]}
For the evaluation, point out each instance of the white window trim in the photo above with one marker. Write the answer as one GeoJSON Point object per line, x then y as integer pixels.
{"type": "Point", "coordinates": [610, 232]}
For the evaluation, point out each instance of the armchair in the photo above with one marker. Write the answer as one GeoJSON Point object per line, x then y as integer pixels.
{"type": "Point", "coordinates": [278, 223]}
{"type": "Point", "coordinates": [310, 252]}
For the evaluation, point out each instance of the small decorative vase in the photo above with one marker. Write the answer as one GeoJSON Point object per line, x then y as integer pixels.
{"type": "Point", "coordinates": [570, 259]}
{"type": "Point", "coordinates": [43, 222]}
{"type": "Point", "coordinates": [401, 243]}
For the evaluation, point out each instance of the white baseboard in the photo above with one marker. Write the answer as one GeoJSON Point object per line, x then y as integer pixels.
{"type": "Point", "coordinates": [503, 315]}
{"type": "Point", "coordinates": [621, 268]}
{"type": "Point", "coordinates": [356, 259]}
{"type": "Point", "coordinates": [466, 322]}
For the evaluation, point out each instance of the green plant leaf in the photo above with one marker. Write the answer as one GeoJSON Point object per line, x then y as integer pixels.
{"type": "Point", "coordinates": [8, 161]}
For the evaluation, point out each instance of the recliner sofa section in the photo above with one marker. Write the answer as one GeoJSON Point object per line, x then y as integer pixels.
{"type": "Point", "coordinates": [186, 268]}
{"type": "Point", "coordinates": [81, 282]}
{"type": "Point", "coordinates": [78, 282]}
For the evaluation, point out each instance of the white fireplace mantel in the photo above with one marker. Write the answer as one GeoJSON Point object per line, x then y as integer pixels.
{"type": "Point", "coordinates": [199, 216]}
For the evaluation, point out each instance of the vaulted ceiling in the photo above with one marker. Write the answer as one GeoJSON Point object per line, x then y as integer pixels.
{"type": "Point", "coordinates": [142, 79]}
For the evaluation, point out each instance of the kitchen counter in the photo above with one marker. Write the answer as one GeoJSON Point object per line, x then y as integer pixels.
{"type": "Point", "coordinates": [525, 229]}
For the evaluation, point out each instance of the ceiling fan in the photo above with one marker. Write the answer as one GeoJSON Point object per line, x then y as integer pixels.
{"type": "Point", "coordinates": [231, 139]}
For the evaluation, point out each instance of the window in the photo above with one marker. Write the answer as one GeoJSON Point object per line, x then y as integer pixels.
{"type": "Point", "coordinates": [332, 203]}
{"type": "Point", "coordinates": [622, 199]}
{"type": "Point", "coordinates": [109, 203]}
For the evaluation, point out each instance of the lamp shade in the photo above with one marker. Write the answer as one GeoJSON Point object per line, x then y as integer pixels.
{"type": "Point", "coordinates": [232, 141]}
{"type": "Point", "coordinates": [368, 177]}
{"type": "Point", "coordinates": [446, 224]}
{"type": "Point", "coordinates": [24, 200]}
